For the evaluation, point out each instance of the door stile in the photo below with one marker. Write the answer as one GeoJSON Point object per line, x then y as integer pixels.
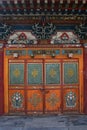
{"type": "Point", "coordinates": [43, 91]}
{"type": "Point", "coordinates": [79, 89]}
{"type": "Point", "coordinates": [61, 64]}
{"type": "Point", "coordinates": [25, 85]}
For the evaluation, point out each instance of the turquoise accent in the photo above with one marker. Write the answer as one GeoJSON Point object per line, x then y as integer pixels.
{"type": "Point", "coordinates": [53, 73]}
{"type": "Point", "coordinates": [16, 73]}
{"type": "Point", "coordinates": [30, 52]}
{"type": "Point", "coordinates": [71, 73]}
{"type": "Point", "coordinates": [78, 51]}
{"type": "Point", "coordinates": [8, 52]}
{"type": "Point", "coordinates": [57, 52]}
{"type": "Point", "coordinates": [34, 73]}
{"type": "Point", "coordinates": [23, 52]}
{"type": "Point", "coordinates": [20, 52]}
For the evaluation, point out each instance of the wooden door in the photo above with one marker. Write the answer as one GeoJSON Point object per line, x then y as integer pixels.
{"type": "Point", "coordinates": [70, 69]}
{"type": "Point", "coordinates": [16, 89]}
{"type": "Point", "coordinates": [43, 86]}
{"type": "Point", "coordinates": [34, 85]}
{"type": "Point", "coordinates": [52, 85]}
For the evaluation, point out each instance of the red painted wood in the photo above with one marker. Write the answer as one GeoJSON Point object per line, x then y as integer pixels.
{"type": "Point", "coordinates": [85, 80]}
{"type": "Point", "coordinates": [1, 84]}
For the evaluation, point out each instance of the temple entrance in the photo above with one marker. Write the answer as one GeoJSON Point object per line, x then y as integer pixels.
{"type": "Point", "coordinates": [43, 86]}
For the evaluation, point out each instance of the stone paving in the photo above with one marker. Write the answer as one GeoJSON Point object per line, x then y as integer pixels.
{"type": "Point", "coordinates": [58, 122]}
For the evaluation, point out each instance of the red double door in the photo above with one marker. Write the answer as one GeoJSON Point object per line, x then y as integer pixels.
{"type": "Point", "coordinates": [43, 86]}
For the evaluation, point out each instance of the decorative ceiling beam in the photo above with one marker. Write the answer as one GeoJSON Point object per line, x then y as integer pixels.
{"type": "Point", "coordinates": [44, 6]}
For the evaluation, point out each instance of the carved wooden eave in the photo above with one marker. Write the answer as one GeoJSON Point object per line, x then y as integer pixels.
{"type": "Point", "coordinates": [31, 11]}
{"type": "Point", "coordinates": [56, 19]}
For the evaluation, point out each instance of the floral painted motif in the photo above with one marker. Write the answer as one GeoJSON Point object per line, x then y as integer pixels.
{"type": "Point", "coordinates": [70, 99]}
{"type": "Point", "coordinates": [17, 100]}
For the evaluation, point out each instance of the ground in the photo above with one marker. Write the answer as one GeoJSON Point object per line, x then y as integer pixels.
{"type": "Point", "coordinates": [57, 122]}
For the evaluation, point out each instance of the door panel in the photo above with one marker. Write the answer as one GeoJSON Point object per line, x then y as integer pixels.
{"type": "Point", "coordinates": [52, 75]}
{"type": "Point", "coordinates": [16, 73]}
{"type": "Point", "coordinates": [70, 100]}
{"type": "Point", "coordinates": [53, 101]}
{"type": "Point", "coordinates": [34, 74]}
{"type": "Point", "coordinates": [34, 101]}
{"type": "Point", "coordinates": [34, 71]}
{"type": "Point", "coordinates": [70, 74]}
{"type": "Point", "coordinates": [16, 100]}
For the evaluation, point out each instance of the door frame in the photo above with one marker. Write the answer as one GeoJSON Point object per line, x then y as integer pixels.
{"type": "Point", "coordinates": [80, 60]}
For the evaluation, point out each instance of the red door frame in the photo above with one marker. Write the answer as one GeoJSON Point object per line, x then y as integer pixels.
{"type": "Point", "coordinates": [1, 84]}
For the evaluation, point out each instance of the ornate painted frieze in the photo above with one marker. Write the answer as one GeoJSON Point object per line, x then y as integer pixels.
{"type": "Point", "coordinates": [19, 52]}
{"type": "Point", "coordinates": [5, 31]}
{"type": "Point", "coordinates": [70, 99]}
{"type": "Point", "coordinates": [43, 52]}
{"type": "Point", "coordinates": [19, 37]}
{"type": "Point", "coordinates": [67, 51]}
{"type": "Point", "coordinates": [64, 38]}
{"type": "Point", "coordinates": [44, 30]}
{"type": "Point", "coordinates": [17, 100]}
{"type": "Point", "coordinates": [81, 31]}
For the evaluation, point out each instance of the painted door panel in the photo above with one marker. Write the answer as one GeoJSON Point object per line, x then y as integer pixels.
{"type": "Point", "coordinates": [16, 73]}
{"type": "Point", "coordinates": [70, 100]}
{"type": "Point", "coordinates": [34, 74]}
{"type": "Point", "coordinates": [34, 101]}
{"type": "Point", "coordinates": [70, 74]}
{"type": "Point", "coordinates": [53, 101]}
{"type": "Point", "coordinates": [43, 86]}
{"type": "Point", "coordinates": [16, 101]}
{"type": "Point", "coordinates": [52, 73]}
